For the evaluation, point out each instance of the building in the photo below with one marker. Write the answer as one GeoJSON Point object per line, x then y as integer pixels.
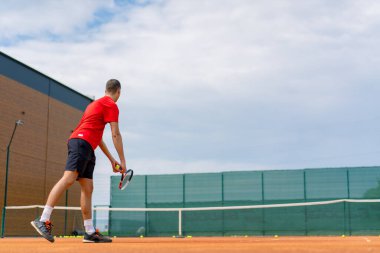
{"type": "Point", "coordinates": [50, 111]}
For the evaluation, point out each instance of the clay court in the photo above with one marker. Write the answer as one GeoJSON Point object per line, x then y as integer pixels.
{"type": "Point", "coordinates": [199, 244]}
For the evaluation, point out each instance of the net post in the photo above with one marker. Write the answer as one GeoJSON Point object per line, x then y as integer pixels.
{"type": "Point", "coordinates": [180, 222]}
{"type": "Point", "coordinates": [305, 200]}
{"type": "Point", "coordinates": [262, 202]}
{"type": "Point", "coordinates": [109, 221]}
{"type": "Point", "coordinates": [146, 205]}
{"type": "Point", "coordinates": [349, 204]}
{"type": "Point", "coordinates": [66, 203]}
{"type": "Point", "coordinates": [223, 216]}
{"type": "Point", "coordinates": [94, 216]}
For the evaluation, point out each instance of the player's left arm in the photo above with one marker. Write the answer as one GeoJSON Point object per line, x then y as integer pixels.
{"type": "Point", "coordinates": [118, 143]}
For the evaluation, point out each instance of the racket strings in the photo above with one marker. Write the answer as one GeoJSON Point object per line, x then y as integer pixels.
{"type": "Point", "coordinates": [125, 179]}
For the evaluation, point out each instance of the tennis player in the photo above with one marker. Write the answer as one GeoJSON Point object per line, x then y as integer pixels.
{"type": "Point", "coordinates": [81, 161]}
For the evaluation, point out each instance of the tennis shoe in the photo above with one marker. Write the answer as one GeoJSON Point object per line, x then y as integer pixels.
{"type": "Point", "coordinates": [96, 237]}
{"type": "Point", "coordinates": [43, 228]}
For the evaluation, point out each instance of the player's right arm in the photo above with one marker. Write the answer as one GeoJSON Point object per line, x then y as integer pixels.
{"type": "Point", "coordinates": [105, 150]}
{"type": "Point", "coordinates": [118, 143]}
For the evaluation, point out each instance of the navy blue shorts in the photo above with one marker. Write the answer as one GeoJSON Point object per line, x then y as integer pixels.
{"type": "Point", "coordinates": [80, 158]}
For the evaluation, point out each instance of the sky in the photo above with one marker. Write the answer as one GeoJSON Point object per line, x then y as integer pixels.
{"type": "Point", "coordinates": [215, 85]}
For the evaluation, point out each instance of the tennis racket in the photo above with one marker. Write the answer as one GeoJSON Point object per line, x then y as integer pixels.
{"type": "Point", "coordinates": [125, 178]}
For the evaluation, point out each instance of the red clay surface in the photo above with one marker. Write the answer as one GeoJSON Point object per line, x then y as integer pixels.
{"type": "Point", "coordinates": [197, 244]}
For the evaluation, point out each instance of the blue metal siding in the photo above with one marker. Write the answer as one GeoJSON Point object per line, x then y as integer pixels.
{"type": "Point", "coordinates": [67, 96]}
{"type": "Point", "coordinates": [21, 73]}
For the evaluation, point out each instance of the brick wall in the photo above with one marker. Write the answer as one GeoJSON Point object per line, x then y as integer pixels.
{"type": "Point", "coordinates": [37, 155]}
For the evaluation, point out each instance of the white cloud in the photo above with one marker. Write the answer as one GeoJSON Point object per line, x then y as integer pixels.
{"type": "Point", "coordinates": [41, 19]}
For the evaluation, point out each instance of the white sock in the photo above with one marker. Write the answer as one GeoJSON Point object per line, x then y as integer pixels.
{"type": "Point", "coordinates": [46, 213]}
{"type": "Point", "coordinates": [89, 226]}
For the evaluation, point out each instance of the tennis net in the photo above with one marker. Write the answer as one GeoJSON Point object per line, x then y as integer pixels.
{"type": "Point", "coordinates": [327, 217]}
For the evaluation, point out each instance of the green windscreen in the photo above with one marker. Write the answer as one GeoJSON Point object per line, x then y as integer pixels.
{"type": "Point", "coordinates": [246, 188]}
{"type": "Point", "coordinates": [170, 195]}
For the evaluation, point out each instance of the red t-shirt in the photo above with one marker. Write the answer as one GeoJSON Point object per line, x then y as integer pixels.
{"type": "Point", "coordinates": [95, 117]}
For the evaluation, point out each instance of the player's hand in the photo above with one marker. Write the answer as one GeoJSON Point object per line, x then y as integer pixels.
{"type": "Point", "coordinates": [119, 169]}
{"type": "Point", "coordinates": [115, 166]}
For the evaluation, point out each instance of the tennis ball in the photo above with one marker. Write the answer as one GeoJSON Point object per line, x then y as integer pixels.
{"type": "Point", "coordinates": [114, 236]}
{"type": "Point", "coordinates": [343, 236]}
{"type": "Point", "coordinates": [246, 236]}
{"type": "Point", "coordinates": [141, 236]}
{"type": "Point", "coordinates": [276, 236]}
{"type": "Point", "coordinates": [189, 236]}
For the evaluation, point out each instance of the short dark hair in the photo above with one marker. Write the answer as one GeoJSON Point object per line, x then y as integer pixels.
{"type": "Point", "coordinates": [113, 86]}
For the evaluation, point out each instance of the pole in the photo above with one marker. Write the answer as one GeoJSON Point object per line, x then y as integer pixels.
{"type": "Point", "coordinates": [5, 194]}
{"type": "Point", "coordinates": [18, 122]}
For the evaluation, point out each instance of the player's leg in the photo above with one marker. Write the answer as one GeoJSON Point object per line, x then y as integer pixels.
{"type": "Point", "coordinates": [87, 187]}
{"type": "Point", "coordinates": [86, 203]}
{"type": "Point", "coordinates": [43, 225]}
{"type": "Point", "coordinates": [74, 165]}
{"type": "Point", "coordinates": [69, 177]}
